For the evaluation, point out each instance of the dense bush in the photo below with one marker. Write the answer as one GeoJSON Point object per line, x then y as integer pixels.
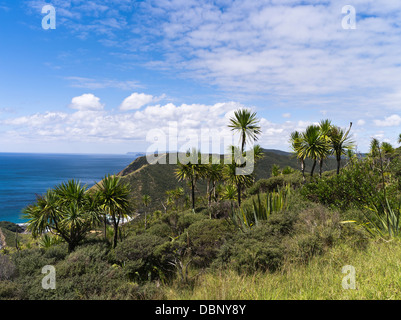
{"type": "Point", "coordinates": [137, 255]}
{"type": "Point", "coordinates": [179, 221]}
{"type": "Point", "coordinates": [204, 239]}
{"type": "Point", "coordinates": [256, 250]}
{"type": "Point", "coordinates": [356, 186]}
{"type": "Point", "coordinates": [30, 262]}
{"type": "Point", "coordinates": [273, 183]}
{"type": "Point", "coordinates": [221, 209]}
{"type": "Point", "coordinates": [315, 230]}
{"type": "Point", "coordinates": [10, 226]}
{"type": "Point", "coordinates": [57, 252]}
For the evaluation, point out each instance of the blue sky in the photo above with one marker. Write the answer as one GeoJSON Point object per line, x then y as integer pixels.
{"type": "Point", "coordinates": [113, 70]}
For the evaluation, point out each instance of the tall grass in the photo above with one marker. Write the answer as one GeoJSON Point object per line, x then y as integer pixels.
{"type": "Point", "coordinates": [377, 278]}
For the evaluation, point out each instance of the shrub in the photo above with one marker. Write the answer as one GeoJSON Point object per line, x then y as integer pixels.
{"type": "Point", "coordinates": [57, 252]}
{"type": "Point", "coordinates": [137, 254]}
{"type": "Point", "coordinates": [315, 230]}
{"type": "Point", "coordinates": [9, 290]}
{"type": "Point", "coordinates": [358, 185]}
{"type": "Point", "coordinates": [222, 209]}
{"type": "Point", "coordinates": [179, 221]}
{"type": "Point", "coordinates": [204, 239]}
{"type": "Point", "coordinates": [256, 250]}
{"type": "Point", "coordinates": [160, 229]}
{"type": "Point", "coordinates": [273, 183]}
{"type": "Point", "coordinates": [10, 226]}
{"type": "Point", "coordinates": [30, 262]}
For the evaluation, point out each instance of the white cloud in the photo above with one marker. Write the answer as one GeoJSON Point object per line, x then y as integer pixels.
{"type": "Point", "coordinates": [361, 122]}
{"type": "Point", "coordinates": [136, 101]}
{"type": "Point", "coordinates": [286, 115]}
{"type": "Point", "coordinates": [89, 122]}
{"type": "Point", "coordinates": [87, 101]}
{"type": "Point", "coordinates": [391, 121]}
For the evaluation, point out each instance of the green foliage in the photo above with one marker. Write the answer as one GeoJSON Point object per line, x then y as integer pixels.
{"type": "Point", "coordinates": [260, 207]}
{"type": "Point", "coordinates": [258, 250]}
{"type": "Point", "coordinates": [46, 241]}
{"type": "Point", "coordinates": [30, 262]}
{"type": "Point", "coordinates": [179, 221]}
{"type": "Point", "coordinates": [221, 209]}
{"type": "Point", "coordinates": [275, 170]}
{"type": "Point", "coordinates": [316, 230]}
{"type": "Point", "coordinates": [56, 252]}
{"type": "Point", "coordinates": [204, 239]}
{"type": "Point", "coordinates": [383, 222]}
{"type": "Point", "coordinates": [10, 226]}
{"type": "Point", "coordinates": [287, 170]}
{"type": "Point", "coordinates": [137, 255]}
{"type": "Point", "coordinates": [274, 183]}
{"type": "Point", "coordinates": [67, 210]}
{"type": "Point", "coordinates": [9, 290]}
{"type": "Point", "coordinates": [356, 186]}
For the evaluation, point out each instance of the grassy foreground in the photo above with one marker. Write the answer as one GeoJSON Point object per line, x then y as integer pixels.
{"type": "Point", "coordinates": [377, 275]}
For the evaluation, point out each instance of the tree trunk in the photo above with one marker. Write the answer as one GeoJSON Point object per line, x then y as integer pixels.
{"type": "Point", "coordinates": [115, 238]}
{"type": "Point", "coordinates": [193, 194]}
{"type": "Point", "coordinates": [313, 168]}
{"type": "Point", "coordinates": [71, 247]}
{"type": "Point", "coordinates": [115, 225]}
{"type": "Point", "coordinates": [338, 165]}
{"type": "Point", "coordinates": [321, 167]}
{"type": "Point", "coordinates": [214, 191]}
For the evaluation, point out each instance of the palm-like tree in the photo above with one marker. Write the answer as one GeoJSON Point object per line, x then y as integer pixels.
{"type": "Point", "coordinates": [387, 148]}
{"type": "Point", "coordinates": [230, 193]}
{"type": "Point", "coordinates": [341, 141]}
{"type": "Point", "coordinates": [238, 180]}
{"type": "Point", "coordinates": [246, 124]}
{"type": "Point", "coordinates": [67, 211]}
{"type": "Point", "coordinates": [312, 145]}
{"type": "Point", "coordinates": [325, 127]}
{"type": "Point", "coordinates": [275, 170]}
{"type": "Point", "coordinates": [212, 173]}
{"type": "Point", "coordinates": [114, 199]}
{"type": "Point", "coordinates": [295, 141]}
{"type": "Point", "coordinates": [190, 172]}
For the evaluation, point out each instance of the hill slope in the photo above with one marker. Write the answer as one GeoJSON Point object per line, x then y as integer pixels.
{"type": "Point", "coordinates": [155, 179]}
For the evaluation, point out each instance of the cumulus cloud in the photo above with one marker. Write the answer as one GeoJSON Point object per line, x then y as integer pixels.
{"type": "Point", "coordinates": [136, 101]}
{"type": "Point", "coordinates": [90, 122]}
{"type": "Point", "coordinates": [390, 121]}
{"type": "Point", "coordinates": [87, 101]}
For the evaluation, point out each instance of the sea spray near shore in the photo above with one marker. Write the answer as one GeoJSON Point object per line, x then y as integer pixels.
{"type": "Point", "coordinates": [23, 176]}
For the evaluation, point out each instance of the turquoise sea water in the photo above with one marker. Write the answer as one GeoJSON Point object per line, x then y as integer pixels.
{"type": "Point", "coordinates": [22, 176]}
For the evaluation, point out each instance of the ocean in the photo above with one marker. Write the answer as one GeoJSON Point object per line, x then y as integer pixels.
{"type": "Point", "coordinates": [23, 176]}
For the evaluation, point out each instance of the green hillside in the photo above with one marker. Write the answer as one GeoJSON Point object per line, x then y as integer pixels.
{"type": "Point", "coordinates": [155, 179]}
